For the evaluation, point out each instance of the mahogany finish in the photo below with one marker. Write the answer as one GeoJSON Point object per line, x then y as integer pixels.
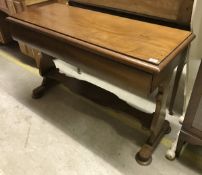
{"type": "Point", "coordinates": [143, 41]}
{"type": "Point", "coordinates": [135, 55]}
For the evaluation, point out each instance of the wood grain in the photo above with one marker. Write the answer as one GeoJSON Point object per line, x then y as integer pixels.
{"type": "Point", "coordinates": [136, 39]}
{"type": "Point", "coordinates": [130, 54]}
{"type": "Point", "coordinates": [106, 69]}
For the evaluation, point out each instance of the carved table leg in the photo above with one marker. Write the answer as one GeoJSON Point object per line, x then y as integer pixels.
{"type": "Point", "coordinates": [46, 67]}
{"type": "Point", "coordinates": [159, 127]}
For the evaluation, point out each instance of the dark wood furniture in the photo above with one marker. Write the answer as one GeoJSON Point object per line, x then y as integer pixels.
{"type": "Point", "coordinates": [191, 131]}
{"type": "Point", "coordinates": [175, 13]}
{"type": "Point", "coordinates": [136, 55]}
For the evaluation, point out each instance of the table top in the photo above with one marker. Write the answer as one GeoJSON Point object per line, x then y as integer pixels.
{"type": "Point", "coordinates": [135, 39]}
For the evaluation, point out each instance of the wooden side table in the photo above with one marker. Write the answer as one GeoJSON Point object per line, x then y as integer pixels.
{"type": "Point", "coordinates": [108, 48]}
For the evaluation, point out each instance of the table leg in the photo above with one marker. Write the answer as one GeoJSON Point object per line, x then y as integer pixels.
{"type": "Point", "coordinates": [46, 67]}
{"type": "Point", "coordinates": [159, 126]}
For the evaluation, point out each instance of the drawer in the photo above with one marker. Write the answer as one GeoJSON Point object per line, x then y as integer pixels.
{"type": "Point", "coordinates": [129, 78]}
{"type": "Point", "coordinates": [118, 74]}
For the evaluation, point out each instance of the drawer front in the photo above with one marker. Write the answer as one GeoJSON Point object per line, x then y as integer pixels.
{"type": "Point", "coordinates": [126, 77]}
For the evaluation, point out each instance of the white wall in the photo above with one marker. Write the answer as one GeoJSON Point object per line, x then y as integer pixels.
{"type": "Point", "coordinates": [195, 54]}
{"type": "Point", "coordinates": [196, 47]}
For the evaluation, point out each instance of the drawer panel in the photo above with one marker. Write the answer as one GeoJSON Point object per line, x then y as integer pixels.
{"type": "Point", "coordinates": [126, 77]}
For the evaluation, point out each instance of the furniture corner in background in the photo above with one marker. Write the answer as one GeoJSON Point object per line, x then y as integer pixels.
{"type": "Point", "coordinates": [9, 7]}
{"type": "Point", "coordinates": [191, 131]}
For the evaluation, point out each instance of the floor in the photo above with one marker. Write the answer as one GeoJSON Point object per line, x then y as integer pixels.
{"type": "Point", "coordinates": [65, 134]}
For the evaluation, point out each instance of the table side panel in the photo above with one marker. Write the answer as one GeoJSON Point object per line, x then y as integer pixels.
{"type": "Point", "coordinates": [134, 80]}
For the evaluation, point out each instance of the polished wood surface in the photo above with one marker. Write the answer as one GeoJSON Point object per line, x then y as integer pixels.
{"type": "Point", "coordinates": [95, 64]}
{"type": "Point", "coordinates": [177, 11]}
{"type": "Point", "coordinates": [143, 41]}
{"type": "Point", "coordinates": [134, 55]}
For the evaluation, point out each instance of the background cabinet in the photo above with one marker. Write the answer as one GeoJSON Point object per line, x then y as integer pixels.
{"type": "Point", "coordinates": [8, 7]}
{"type": "Point", "coordinates": [191, 131]}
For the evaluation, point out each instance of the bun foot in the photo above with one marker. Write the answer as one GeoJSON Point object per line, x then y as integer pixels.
{"type": "Point", "coordinates": [170, 155]}
{"type": "Point", "coordinates": [144, 156]}
{"type": "Point", "coordinates": [38, 92]}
